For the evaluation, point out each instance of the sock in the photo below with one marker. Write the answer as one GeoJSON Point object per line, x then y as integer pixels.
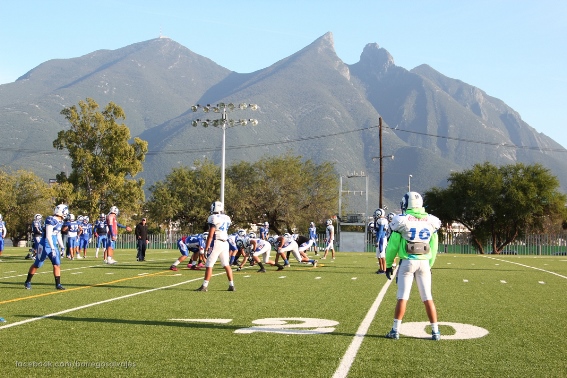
{"type": "Point", "coordinates": [193, 262]}
{"type": "Point", "coordinates": [435, 327]}
{"type": "Point", "coordinates": [397, 324]}
{"type": "Point", "coordinates": [231, 261]}
{"type": "Point", "coordinates": [29, 277]}
{"type": "Point", "coordinates": [286, 262]}
{"type": "Point", "coordinates": [230, 283]}
{"type": "Point", "coordinates": [57, 280]}
{"type": "Point", "coordinates": [311, 261]}
{"type": "Point", "coordinates": [176, 263]}
{"type": "Point", "coordinates": [261, 265]}
{"type": "Point", "coordinates": [205, 283]}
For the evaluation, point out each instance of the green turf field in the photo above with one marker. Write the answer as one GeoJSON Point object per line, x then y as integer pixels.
{"type": "Point", "coordinates": [500, 317]}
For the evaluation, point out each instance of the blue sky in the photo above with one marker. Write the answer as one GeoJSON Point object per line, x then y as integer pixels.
{"type": "Point", "coordinates": [515, 50]}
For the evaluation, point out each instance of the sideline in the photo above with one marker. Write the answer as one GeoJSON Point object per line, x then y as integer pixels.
{"type": "Point", "coordinates": [527, 266]}
{"type": "Point", "coordinates": [350, 354]}
{"type": "Point", "coordinates": [102, 302]}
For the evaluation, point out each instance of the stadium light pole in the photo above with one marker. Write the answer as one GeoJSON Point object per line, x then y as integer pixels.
{"type": "Point", "coordinates": [223, 122]}
{"type": "Point", "coordinates": [409, 183]}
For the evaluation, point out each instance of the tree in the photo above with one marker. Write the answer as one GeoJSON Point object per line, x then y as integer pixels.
{"type": "Point", "coordinates": [104, 163]}
{"type": "Point", "coordinates": [185, 196]}
{"type": "Point", "coordinates": [282, 190]}
{"type": "Point", "coordinates": [498, 205]}
{"type": "Point", "coordinates": [22, 196]}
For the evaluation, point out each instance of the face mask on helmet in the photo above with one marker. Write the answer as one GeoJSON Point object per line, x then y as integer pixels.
{"type": "Point", "coordinates": [379, 213]}
{"type": "Point", "coordinates": [114, 210]}
{"type": "Point", "coordinates": [329, 222]}
{"type": "Point", "coordinates": [252, 235]}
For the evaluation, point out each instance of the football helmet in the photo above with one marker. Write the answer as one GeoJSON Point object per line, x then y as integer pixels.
{"type": "Point", "coordinates": [217, 207]}
{"type": "Point", "coordinates": [114, 210]}
{"type": "Point", "coordinates": [61, 210]}
{"type": "Point", "coordinates": [86, 219]}
{"type": "Point", "coordinates": [411, 200]}
{"type": "Point", "coordinates": [101, 217]}
{"type": "Point", "coordinates": [287, 235]}
{"type": "Point", "coordinates": [266, 224]}
{"type": "Point", "coordinates": [241, 233]}
{"type": "Point", "coordinates": [390, 216]}
{"type": "Point", "coordinates": [205, 235]}
{"type": "Point", "coordinates": [312, 224]}
{"type": "Point", "coordinates": [38, 217]}
{"type": "Point", "coordinates": [71, 217]}
{"type": "Point", "coordinates": [80, 218]}
{"type": "Point", "coordinates": [272, 240]}
{"type": "Point", "coordinates": [379, 213]}
{"type": "Point", "coordinates": [329, 222]}
{"type": "Point", "coordinates": [1, 218]}
{"type": "Point", "coordinates": [252, 235]}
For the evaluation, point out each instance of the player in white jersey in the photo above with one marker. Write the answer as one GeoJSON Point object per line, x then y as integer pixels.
{"type": "Point", "coordinates": [258, 247]}
{"type": "Point", "coordinates": [218, 230]}
{"type": "Point", "coordinates": [414, 241]}
{"type": "Point", "coordinates": [329, 239]}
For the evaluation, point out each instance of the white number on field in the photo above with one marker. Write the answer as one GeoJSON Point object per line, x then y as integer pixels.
{"type": "Point", "coordinates": [302, 326]}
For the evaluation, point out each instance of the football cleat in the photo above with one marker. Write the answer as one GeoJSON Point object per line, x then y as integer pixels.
{"type": "Point", "coordinates": [174, 268]}
{"type": "Point", "coordinates": [27, 285]}
{"type": "Point", "coordinates": [202, 288]}
{"type": "Point", "coordinates": [314, 263]}
{"type": "Point", "coordinates": [262, 270]}
{"type": "Point", "coordinates": [435, 335]}
{"type": "Point", "coordinates": [59, 287]}
{"type": "Point", "coordinates": [393, 335]}
{"type": "Point", "coordinates": [231, 288]}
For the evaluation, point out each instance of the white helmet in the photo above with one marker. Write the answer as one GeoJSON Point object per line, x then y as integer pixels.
{"type": "Point", "coordinates": [266, 224]}
{"type": "Point", "coordinates": [114, 210]}
{"type": "Point", "coordinates": [80, 218]}
{"type": "Point", "coordinates": [86, 219]}
{"type": "Point", "coordinates": [390, 216]}
{"type": "Point", "coordinates": [252, 235]}
{"type": "Point", "coordinates": [287, 235]}
{"type": "Point", "coordinates": [312, 224]}
{"type": "Point", "coordinates": [217, 207]}
{"type": "Point", "coordinates": [329, 222]}
{"type": "Point", "coordinates": [61, 210]}
{"type": "Point", "coordinates": [71, 217]}
{"type": "Point", "coordinates": [101, 217]}
{"type": "Point", "coordinates": [379, 213]}
{"type": "Point", "coordinates": [37, 217]}
{"type": "Point", "coordinates": [241, 233]}
{"type": "Point", "coordinates": [1, 217]}
{"type": "Point", "coordinates": [411, 200]}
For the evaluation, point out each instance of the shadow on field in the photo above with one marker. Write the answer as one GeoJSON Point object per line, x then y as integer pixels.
{"type": "Point", "coordinates": [172, 323]}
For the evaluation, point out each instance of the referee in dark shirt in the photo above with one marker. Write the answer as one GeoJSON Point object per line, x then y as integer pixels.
{"type": "Point", "coordinates": [142, 239]}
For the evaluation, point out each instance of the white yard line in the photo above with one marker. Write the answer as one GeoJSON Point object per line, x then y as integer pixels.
{"type": "Point", "coordinates": [527, 266]}
{"type": "Point", "coordinates": [349, 356]}
{"type": "Point", "coordinates": [100, 302]}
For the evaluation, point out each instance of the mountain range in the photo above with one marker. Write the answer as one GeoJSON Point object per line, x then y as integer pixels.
{"type": "Point", "coordinates": [310, 104]}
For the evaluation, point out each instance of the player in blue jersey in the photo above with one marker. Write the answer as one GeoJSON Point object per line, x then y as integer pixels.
{"type": "Point", "coordinates": [313, 237]}
{"type": "Point", "coordinates": [186, 244]}
{"type": "Point", "coordinates": [257, 248]}
{"type": "Point", "coordinates": [380, 227]}
{"type": "Point", "coordinates": [48, 244]}
{"type": "Point", "coordinates": [218, 230]}
{"type": "Point", "coordinates": [100, 232]}
{"type": "Point", "coordinates": [72, 237]}
{"type": "Point", "coordinates": [264, 231]}
{"type": "Point", "coordinates": [329, 240]}
{"type": "Point", "coordinates": [85, 235]}
{"type": "Point", "coordinates": [2, 234]}
{"type": "Point", "coordinates": [37, 232]}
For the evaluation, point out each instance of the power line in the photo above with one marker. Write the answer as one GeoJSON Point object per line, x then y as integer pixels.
{"type": "Point", "coordinates": [303, 139]}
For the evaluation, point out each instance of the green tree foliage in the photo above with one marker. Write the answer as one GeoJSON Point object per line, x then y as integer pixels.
{"type": "Point", "coordinates": [185, 196]}
{"type": "Point", "coordinates": [284, 191]}
{"type": "Point", "coordinates": [499, 204]}
{"type": "Point", "coordinates": [104, 163]}
{"type": "Point", "coordinates": [22, 196]}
